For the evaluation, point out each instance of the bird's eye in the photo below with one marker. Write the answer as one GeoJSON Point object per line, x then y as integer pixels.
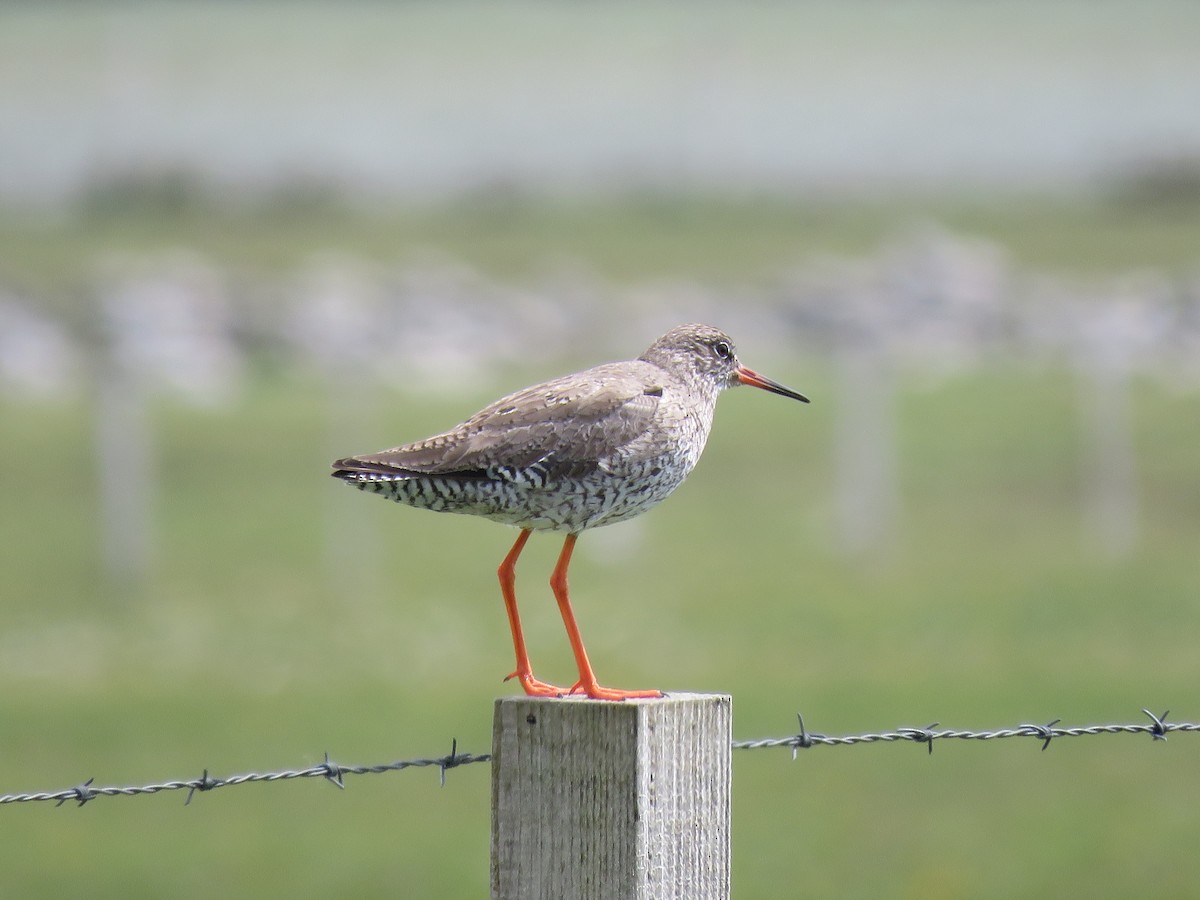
{"type": "Point", "coordinates": [723, 350]}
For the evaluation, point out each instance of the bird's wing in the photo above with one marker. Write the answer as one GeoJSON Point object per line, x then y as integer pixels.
{"type": "Point", "coordinates": [567, 426]}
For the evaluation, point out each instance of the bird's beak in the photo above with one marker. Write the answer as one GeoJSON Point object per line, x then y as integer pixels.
{"type": "Point", "coordinates": [752, 378]}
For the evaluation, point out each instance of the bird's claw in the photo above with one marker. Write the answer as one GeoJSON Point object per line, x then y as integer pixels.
{"type": "Point", "coordinates": [594, 691]}
{"type": "Point", "coordinates": [535, 688]}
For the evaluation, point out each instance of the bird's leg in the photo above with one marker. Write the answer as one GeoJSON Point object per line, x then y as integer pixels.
{"type": "Point", "coordinates": [587, 679]}
{"type": "Point", "coordinates": [508, 581]}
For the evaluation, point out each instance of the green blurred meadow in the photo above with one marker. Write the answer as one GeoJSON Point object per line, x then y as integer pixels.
{"type": "Point", "coordinates": [242, 652]}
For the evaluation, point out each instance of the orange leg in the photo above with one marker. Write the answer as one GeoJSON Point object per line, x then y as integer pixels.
{"type": "Point", "coordinates": [587, 679]}
{"type": "Point", "coordinates": [508, 582]}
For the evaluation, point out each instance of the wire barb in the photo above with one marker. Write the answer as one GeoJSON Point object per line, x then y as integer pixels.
{"type": "Point", "coordinates": [333, 772]}
{"type": "Point", "coordinates": [83, 793]}
{"type": "Point", "coordinates": [206, 783]}
{"type": "Point", "coordinates": [1159, 729]}
{"type": "Point", "coordinates": [924, 735]}
{"type": "Point", "coordinates": [1045, 732]}
{"type": "Point", "coordinates": [802, 739]}
{"type": "Point", "coordinates": [451, 761]}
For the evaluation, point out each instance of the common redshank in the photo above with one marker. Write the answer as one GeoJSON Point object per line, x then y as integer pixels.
{"type": "Point", "coordinates": [578, 452]}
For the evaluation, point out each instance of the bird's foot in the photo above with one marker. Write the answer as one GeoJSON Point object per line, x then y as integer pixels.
{"type": "Point", "coordinates": [596, 692]}
{"type": "Point", "coordinates": [535, 688]}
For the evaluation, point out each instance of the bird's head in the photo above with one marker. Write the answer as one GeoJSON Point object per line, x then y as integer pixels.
{"type": "Point", "coordinates": [707, 354]}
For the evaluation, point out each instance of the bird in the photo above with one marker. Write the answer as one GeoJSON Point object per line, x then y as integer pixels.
{"type": "Point", "coordinates": [577, 452]}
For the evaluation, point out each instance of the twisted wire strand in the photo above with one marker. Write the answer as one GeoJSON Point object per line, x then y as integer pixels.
{"type": "Point", "coordinates": [1157, 727]}
{"type": "Point", "coordinates": [334, 772]}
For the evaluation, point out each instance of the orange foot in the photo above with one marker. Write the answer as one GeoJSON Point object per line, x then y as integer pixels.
{"type": "Point", "coordinates": [535, 688]}
{"type": "Point", "coordinates": [596, 692]}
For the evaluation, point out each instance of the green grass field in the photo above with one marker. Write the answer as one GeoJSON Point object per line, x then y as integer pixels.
{"type": "Point", "coordinates": [249, 650]}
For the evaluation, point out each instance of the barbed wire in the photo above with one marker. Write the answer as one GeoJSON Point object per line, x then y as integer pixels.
{"type": "Point", "coordinates": [330, 770]}
{"type": "Point", "coordinates": [1158, 728]}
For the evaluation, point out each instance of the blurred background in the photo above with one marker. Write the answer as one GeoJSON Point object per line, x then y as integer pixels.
{"type": "Point", "coordinates": [239, 240]}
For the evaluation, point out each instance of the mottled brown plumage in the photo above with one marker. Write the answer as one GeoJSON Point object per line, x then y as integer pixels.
{"type": "Point", "coordinates": [577, 452]}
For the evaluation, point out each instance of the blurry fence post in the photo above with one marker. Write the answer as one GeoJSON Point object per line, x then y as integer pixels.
{"type": "Point", "coordinates": [1108, 339]}
{"type": "Point", "coordinates": [865, 437]}
{"type": "Point", "coordinates": [592, 799]}
{"type": "Point", "coordinates": [126, 464]}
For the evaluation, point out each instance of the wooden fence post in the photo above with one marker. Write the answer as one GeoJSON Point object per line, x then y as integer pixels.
{"type": "Point", "coordinates": [593, 799]}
